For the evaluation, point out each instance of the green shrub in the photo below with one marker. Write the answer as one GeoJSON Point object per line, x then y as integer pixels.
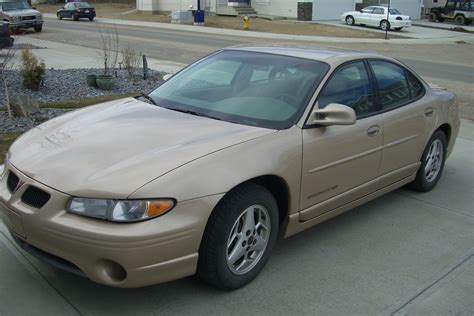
{"type": "Point", "coordinates": [32, 70]}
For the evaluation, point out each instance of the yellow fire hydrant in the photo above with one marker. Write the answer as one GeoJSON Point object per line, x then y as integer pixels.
{"type": "Point", "coordinates": [246, 22]}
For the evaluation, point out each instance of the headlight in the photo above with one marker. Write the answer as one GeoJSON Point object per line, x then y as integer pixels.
{"type": "Point", "coordinates": [39, 17]}
{"type": "Point", "coordinates": [120, 210]}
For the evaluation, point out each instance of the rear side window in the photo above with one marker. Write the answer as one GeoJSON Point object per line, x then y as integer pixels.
{"type": "Point", "coordinates": [416, 87]}
{"type": "Point", "coordinates": [392, 83]}
{"type": "Point", "coordinates": [350, 85]}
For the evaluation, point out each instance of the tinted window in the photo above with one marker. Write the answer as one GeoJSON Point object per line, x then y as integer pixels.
{"type": "Point", "coordinates": [416, 87]}
{"type": "Point", "coordinates": [392, 83]}
{"type": "Point", "coordinates": [244, 87]}
{"type": "Point", "coordinates": [350, 86]}
{"type": "Point", "coordinates": [394, 11]}
{"type": "Point", "coordinates": [378, 11]}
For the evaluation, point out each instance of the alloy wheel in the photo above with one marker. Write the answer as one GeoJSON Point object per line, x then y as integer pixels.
{"type": "Point", "coordinates": [248, 239]}
{"type": "Point", "coordinates": [434, 160]}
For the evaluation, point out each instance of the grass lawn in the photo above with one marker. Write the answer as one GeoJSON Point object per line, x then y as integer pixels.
{"type": "Point", "coordinates": [6, 139]}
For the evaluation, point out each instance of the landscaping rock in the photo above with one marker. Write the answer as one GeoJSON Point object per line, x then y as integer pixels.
{"type": "Point", "coordinates": [23, 105]}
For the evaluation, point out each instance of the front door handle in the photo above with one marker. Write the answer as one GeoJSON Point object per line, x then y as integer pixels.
{"type": "Point", "coordinates": [373, 130]}
{"type": "Point", "coordinates": [429, 111]}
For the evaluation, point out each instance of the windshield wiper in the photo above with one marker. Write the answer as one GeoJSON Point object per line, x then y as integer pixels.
{"type": "Point", "coordinates": [146, 96]}
{"type": "Point", "coordinates": [195, 113]}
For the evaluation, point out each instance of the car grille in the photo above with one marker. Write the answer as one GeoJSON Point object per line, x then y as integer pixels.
{"type": "Point", "coordinates": [30, 17]}
{"type": "Point", "coordinates": [12, 182]}
{"type": "Point", "coordinates": [35, 197]}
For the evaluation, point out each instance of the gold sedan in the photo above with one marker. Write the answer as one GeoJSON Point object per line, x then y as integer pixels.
{"type": "Point", "coordinates": [202, 175]}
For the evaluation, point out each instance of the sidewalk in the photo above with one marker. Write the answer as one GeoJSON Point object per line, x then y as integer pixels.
{"type": "Point", "coordinates": [442, 26]}
{"type": "Point", "coordinates": [434, 39]}
{"type": "Point", "coordinates": [63, 56]}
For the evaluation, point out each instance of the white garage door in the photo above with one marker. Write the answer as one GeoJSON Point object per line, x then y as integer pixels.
{"type": "Point", "coordinates": [407, 7]}
{"type": "Point", "coordinates": [325, 10]}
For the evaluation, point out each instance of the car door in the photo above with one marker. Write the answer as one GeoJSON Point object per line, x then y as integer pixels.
{"type": "Point", "coordinates": [341, 163]}
{"type": "Point", "coordinates": [449, 8]}
{"type": "Point", "coordinates": [407, 118]}
{"type": "Point", "coordinates": [378, 15]}
{"type": "Point", "coordinates": [364, 15]}
{"type": "Point", "coordinates": [66, 12]}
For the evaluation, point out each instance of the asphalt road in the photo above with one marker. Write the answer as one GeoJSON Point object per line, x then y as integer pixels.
{"type": "Point", "coordinates": [453, 62]}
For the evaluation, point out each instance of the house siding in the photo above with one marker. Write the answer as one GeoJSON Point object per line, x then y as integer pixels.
{"type": "Point", "coordinates": [285, 8]}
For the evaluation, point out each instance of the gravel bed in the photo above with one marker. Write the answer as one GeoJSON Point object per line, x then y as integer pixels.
{"type": "Point", "coordinates": [66, 84]}
{"type": "Point", "coordinates": [22, 124]}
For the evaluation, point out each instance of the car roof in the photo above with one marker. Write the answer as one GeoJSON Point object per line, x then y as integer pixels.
{"type": "Point", "coordinates": [325, 54]}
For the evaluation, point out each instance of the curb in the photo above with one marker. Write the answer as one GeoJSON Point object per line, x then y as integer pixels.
{"type": "Point", "coordinates": [274, 36]}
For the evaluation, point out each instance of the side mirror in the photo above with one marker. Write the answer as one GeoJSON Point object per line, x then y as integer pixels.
{"type": "Point", "coordinates": [167, 76]}
{"type": "Point", "coordinates": [333, 114]}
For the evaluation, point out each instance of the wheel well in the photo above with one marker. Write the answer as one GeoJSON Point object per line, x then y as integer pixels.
{"type": "Point", "coordinates": [279, 189]}
{"type": "Point", "coordinates": [446, 130]}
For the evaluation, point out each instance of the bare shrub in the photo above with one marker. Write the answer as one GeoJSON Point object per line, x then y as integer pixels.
{"type": "Point", "coordinates": [5, 66]}
{"type": "Point", "coordinates": [130, 59]}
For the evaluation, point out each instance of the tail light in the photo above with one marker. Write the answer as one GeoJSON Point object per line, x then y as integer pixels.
{"type": "Point", "coordinates": [399, 18]}
{"type": "Point", "coordinates": [78, 10]}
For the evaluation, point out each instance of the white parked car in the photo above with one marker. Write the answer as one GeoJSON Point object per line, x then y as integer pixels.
{"type": "Point", "coordinates": [377, 16]}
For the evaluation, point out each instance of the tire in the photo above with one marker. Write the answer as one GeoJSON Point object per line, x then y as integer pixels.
{"type": "Point", "coordinates": [460, 19]}
{"type": "Point", "coordinates": [385, 25]}
{"type": "Point", "coordinates": [91, 18]}
{"type": "Point", "coordinates": [433, 17]}
{"type": "Point", "coordinates": [350, 20]}
{"type": "Point", "coordinates": [427, 180]}
{"type": "Point", "coordinates": [59, 16]}
{"type": "Point", "coordinates": [398, 28]}
{"type": "Point", "coordinates": [38, 29]}
{"type": "Point", "coordinates": [75, 17]}
{"type": "Point", "coordinates": [221, 237]}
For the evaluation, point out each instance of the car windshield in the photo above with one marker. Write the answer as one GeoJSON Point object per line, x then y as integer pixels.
{"type": "Point", "coordinates": [82, 5]}
{"type": "Point", "coordinates": [244, 87]}
{"type": "Point", "coordinates": [10, 6]}
{"type": "Point", "coordinates": [394, 11]}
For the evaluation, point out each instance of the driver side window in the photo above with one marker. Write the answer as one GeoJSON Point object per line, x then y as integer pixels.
{"type": "Point", "coordinates": [350, 85]}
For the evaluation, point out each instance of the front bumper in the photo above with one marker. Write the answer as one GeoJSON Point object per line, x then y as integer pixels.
{"type": "Point", "coordinates": [115, 254]}
{"type": "Point", "coordinates": [26, 24]}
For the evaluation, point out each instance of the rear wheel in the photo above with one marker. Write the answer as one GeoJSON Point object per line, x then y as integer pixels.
{"type": "Point", "coordinates": [91, 18]}
{"type": "Point", "coordinates": [433, 17]}
{"type": "Point", "coordinates": [432, 163]}
{"type": "Point", "coordinates": [59, 16]}
{"type": "Point", "coordinates": [460, 19]}
{"type": "Point", "coordinates": [350, 20]}
{"type": "Point", "coordinates": [75, 17]}
{"type": "Point", "coordinates": [385, 25]}
{"type": "Point", "coordinates": [398, 28]}
{"type": "Point", "coordinates": [239, 237]}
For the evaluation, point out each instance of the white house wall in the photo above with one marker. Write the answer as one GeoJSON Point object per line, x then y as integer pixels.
{"type": "Point", "coordinates": [325, 10]}
{"type": "Point", "coordinates": [172, 5]}
{"type": "Point", "coordinates": [286, 8]}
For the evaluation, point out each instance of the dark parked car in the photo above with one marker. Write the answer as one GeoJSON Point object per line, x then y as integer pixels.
{"type": "Point", "coordinates": [76, 11]}
{"type": "Point", "coordinates": [5, 39]}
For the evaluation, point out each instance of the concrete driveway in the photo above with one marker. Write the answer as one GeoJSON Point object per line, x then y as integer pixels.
{"type": "Point", "coordinates": [404, 253]}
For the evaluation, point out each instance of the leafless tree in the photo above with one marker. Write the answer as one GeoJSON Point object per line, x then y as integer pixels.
{"type": "Point", "coordinates": [6, 66]}
{"type": "Point", "coordinates": [130, 59]}
{"type": "Point", "coordinates": [109, 40]}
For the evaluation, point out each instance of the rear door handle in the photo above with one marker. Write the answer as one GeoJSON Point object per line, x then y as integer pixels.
{"type": "Point", "coordinates": [429, 111]}
{"type": "Point", "coordinates": [373, 130]}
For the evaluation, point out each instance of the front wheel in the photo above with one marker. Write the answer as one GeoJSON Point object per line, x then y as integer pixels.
{"type": "Point", "coordinates": [432, 163]}
{"type": "Point", "coordinates": [75, 17]}
{"type": "Point", "coordinates": [385, 25]}
{"type": "Point", "coordinates": [460, 20]}
{"type": "Point", "coordinates": [38, 28]}
{"type": "Point", "coordinates": [433, 17]}
{"type": "Point", "coordinates": [59, 16]}
{"type": "Point", "coordinates": [350, 20]}
{"type": "Point", "coordinates": [239, 237]}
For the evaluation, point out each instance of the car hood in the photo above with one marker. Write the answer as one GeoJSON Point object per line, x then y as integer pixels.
{"type": "Point", "coordinates": [111, 149]}
{"type": "Point", "coordinates": [22, 12]}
